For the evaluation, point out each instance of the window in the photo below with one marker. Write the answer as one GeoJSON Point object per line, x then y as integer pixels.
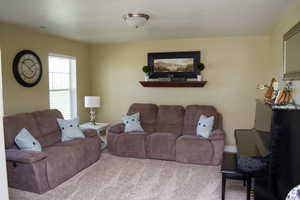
{"type": "Point", "coordinates": [62, 85]}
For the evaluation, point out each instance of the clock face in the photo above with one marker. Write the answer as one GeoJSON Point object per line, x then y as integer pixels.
{"type": "Point", "coordinates": [27, 68]}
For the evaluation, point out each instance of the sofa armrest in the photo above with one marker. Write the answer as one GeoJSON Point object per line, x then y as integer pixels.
{"type": "Point", "coordinates": [90, 132]}
{"type": "Point", "coordinates": [217, 140]}
{"type": "Point", "coordinates": [116, 128]}
{"type": "Point", "coordinates": [24, 156]}
{"type": "Point", "coordinates": [217, 134]}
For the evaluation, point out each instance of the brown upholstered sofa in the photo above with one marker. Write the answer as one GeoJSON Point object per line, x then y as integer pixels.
{"type": "Point", "coordinates": [170, 134]}
{"type": "Point", "coordinates": [41, 171]}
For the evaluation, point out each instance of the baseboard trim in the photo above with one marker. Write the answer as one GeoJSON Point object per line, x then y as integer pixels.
{"type": "Point", "coordinates": [231, 149]}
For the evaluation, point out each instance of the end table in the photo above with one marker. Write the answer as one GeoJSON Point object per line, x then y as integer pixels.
{"type": "Point", "coordinates": [101, 131]}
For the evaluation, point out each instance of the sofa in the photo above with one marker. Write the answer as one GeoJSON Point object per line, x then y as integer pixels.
{"type": "Point", "coordinates": [41, 171]}
{"type": "Point", "coordinates": [169, 134]}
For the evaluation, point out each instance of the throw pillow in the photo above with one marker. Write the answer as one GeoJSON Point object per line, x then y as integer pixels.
{"type": "Point", "coordinates": [25, 141]}
{"type": "Point", "coordinates": [70, 129]}
{"type": "Point", "coordinates": [132, 122]}
{"type": "Point", "coordinates": [205, 126]}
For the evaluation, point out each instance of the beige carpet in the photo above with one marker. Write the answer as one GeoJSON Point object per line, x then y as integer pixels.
{"type": "Point", "coordinates": [116, 178]}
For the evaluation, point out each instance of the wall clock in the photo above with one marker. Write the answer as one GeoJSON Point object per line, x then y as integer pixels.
{"type": "Point", "coordinates": [27, 68]}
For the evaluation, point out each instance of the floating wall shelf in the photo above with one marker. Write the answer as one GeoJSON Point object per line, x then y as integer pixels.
{"type": "Point", "coordinates": [173, 83]}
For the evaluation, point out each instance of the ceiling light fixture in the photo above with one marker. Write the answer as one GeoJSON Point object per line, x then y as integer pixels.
{"type": "Point", "coordinates": [136, 20]}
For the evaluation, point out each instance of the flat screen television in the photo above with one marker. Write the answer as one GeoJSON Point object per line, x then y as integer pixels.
{"type": "Point", "coordinates": [174, 64]}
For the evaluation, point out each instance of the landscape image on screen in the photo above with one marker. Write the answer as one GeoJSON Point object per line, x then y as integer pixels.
{"type": "Point", "coordinates": [174, 65]}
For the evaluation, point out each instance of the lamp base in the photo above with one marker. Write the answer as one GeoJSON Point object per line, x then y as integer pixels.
{"type": "Point", "coordinates": [93, 123]}
{"type": "Point", "coordinates": [93, 116]}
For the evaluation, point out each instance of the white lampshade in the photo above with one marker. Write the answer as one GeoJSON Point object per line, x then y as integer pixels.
{"type": "Point", "coordinates": [91, 101]}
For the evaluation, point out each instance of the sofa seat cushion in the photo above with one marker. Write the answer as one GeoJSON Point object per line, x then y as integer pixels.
{"type": "Point", "coordinates": [161, 145]}
{"type": "Point", "coordinates": [62, 163]}
{"type": "Point", "coordinates": [70, 143]}
{"type": "Point", "coordinates": [87, 150]}
{"type": "Point", "coordinates": [194, 149]}
{"type": "Point", "coordinates": [131, 144]}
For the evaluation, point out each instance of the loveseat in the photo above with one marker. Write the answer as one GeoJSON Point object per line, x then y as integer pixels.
{"type": "Point", "coordinates": [41, 171]}
{"type": "Point", "coordinates": [169, 134]}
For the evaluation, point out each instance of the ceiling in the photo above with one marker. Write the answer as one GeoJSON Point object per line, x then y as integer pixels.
{"type": "Point", "coordinates": [101, 20]}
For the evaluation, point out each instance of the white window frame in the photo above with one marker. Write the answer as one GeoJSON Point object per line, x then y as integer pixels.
{"type": "Point", "coordinates": [73, 82]}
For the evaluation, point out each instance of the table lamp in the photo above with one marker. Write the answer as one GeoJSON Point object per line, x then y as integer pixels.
{"type": "Point", "coordinates": [92, 102]}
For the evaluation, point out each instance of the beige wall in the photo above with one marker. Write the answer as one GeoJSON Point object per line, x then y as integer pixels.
{"type": "Point", "coordinates": [234, 65]}
{"type": "Point", "coordinates": [289, 18]}
{"type": "Point", "coordinates": [20, 99]}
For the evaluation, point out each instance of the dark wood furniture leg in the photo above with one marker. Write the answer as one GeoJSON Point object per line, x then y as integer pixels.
{"type": "Point", "coordinates": [248, 186]}
{"type": "Point", "coordinates": [223, 186]}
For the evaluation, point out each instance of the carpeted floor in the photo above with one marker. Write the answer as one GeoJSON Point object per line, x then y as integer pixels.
{"type": "Point", "coordinates": [116, 178]}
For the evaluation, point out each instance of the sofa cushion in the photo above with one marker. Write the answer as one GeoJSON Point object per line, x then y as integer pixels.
{"type": "Point", "coordinates": [13, 125]}
{"type": "Point", "coordinates": [48, 126]}
{"type": "Point", "coordinates": [132, 122]}
{"type": "Point", "coordinates": [127, 144]}
{"type": "Point", "coordinates": [192, 115]}
{"type": "Point", "coordinates": [194, 149]}
{"type": "Point", "coordinates": [25, 141]}
{"type": "Point", "coordinates": [148, 114]}
{"type": "Point", "coordinates": [70, 129]}
{"type": "Point", "coordinates": [170, 119]}
{"type": "Point", "coordinates": [161, 145]}
{"type": "Point", "coordinates": [205, 126]}
{"type": "Point", "coordinates": [87, 150]}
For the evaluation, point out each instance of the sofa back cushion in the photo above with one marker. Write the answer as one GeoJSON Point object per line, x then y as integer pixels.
{"type": "Point", "coordinates": [192, 115]}
{"type": "Point", "coordinates": [13, 124]}
{"type": "Point", "coordinates": [148, 115]}
{"type": "Point", "coordinates": [48, 126]}
{"type": "Point", "coordinates": [170, 119]}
